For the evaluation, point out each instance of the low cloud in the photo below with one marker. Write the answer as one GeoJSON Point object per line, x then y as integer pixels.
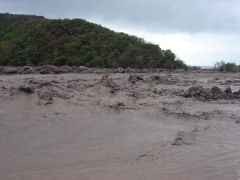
{"type": "Point", "coordinates": [188, 16]}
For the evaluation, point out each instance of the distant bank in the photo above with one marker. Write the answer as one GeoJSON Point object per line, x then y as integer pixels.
{"type": "Point", "coordinates": [35, 40]}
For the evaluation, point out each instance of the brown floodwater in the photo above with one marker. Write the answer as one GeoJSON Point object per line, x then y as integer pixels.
{"type": "Point", "coordinates": [96, 134]}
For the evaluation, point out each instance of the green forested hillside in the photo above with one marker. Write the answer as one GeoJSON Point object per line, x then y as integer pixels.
{"type": "Point", "coordinates": [35, 40]}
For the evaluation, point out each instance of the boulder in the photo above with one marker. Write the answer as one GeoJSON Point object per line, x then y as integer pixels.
{"type": "Point", "coordinates": [213, 93]}
{"type": "Point", "coordinates": [216, 90]}
{"type": "Point", "coordinates": [194, 91]}
{"type": "Point", "coordinates": [49, 69]}
{"type": "Point", "coordinates": [228, 90]}
{"type": "Point", "coordinates": [206, 93]}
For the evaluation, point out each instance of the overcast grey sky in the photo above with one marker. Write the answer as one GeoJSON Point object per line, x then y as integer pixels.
{"type": "Point", "coordinates": [200, 32]}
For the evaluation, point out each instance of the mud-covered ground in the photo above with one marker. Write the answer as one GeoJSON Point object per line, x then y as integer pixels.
{"type": "Point", "coordinates": [119, 127]}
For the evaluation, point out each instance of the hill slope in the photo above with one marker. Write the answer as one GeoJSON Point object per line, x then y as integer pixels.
{"type": "Point", "coordinates": [35, 40]}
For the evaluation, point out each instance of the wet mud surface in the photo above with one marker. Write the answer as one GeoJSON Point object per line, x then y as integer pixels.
{"type": "Point", "coordinates": [120, 126]}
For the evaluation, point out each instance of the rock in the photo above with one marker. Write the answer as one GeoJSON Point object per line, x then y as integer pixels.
{"type": "Point", "coordinates": [194, 91]}
{"type": "Point", "coordinates": [135, 78]}
{"type": "Point", "coordinates": [25, 70]}
{"type": "Point", "coordinates": [206, 93]}
{"type": "Point", "coordinates": [49, 69]}
{"type": "Point", "coordinates": [228, 90]}
{"type": "Point", "coordinates": [10, 70]}
{"type": "Point", "coordinates": [200, 92]}
{"type": "Point", "coordinates": [216, 90]}
{"type": "Point", "coordinates": [27, 89]}
{"type": "Point", "coordinates": [213, 93]}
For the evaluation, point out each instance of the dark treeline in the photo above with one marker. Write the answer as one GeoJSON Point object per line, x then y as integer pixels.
{"type": "Point", "coordinates": [35, 40]}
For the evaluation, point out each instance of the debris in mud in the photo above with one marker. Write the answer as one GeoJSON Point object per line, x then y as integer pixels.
{"type": "Point", "coordinates": [47, 90]}
{"type": "Point", "coordinates": [206, 128]}
{"type": "Point", "coordinates": [25, 70]}
{"type": "Point", "coordinates": [10, 70]}
{"type": "Point", "coordinates": [195, 130]}
{"type": "Point", "coordinates": [110, 84]}
{"type": "Point", "coordinates": [157, 91]}
{"type": "Point", "coordinates": [66, 69]}
{"type": "Point", "coordinates": [119, 70]}
{"type": "Point", "coordinates": [179, 140]}
{"type": "Point", "coordinates": [237, 121]}
{"type": "Point", "coordinates": [205, 115]}
{"type": "Point", "coordinates": [49, 69]}
{"type": "Point", "coordinates": [161, 91]}
{"type": "Point", "coordinates": [118, 106]}
{"type": "Point", "coordinates": [135, 94]}
{"type": "Point", "coordinates": [155, 78]}
{"type": "Point", "coordinates": [27, 89]}
{"type": "Point", "coordinates": [206, 93]}
{"type": "Point", "coordinates": [183, 138]}
{"type": "Point", "coordinates": [46, 94]}
{"type": "Point", "coordinates": [235, 82]}
{"type": "Point", "coordinates": [186, 115]}
{"type": "Point", "coordinates": [168, 80]}
{"type": "Point", "coordinates": [135, 78]}
{"type": "Point", "coordinates": [147, 155]}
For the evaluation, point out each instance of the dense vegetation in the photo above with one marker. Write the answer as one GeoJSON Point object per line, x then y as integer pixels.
{"type": "Point", "coordinates": [35, 40]}
{"type": "Point", "coordinates": [226, 67]}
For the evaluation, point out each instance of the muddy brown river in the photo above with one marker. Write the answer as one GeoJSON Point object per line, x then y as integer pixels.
{"type": "Point", "coordinates": [98, 127]}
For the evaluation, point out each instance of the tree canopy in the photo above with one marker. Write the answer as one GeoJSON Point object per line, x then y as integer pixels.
{"type": "Point", "coordinates": [35, 40]}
